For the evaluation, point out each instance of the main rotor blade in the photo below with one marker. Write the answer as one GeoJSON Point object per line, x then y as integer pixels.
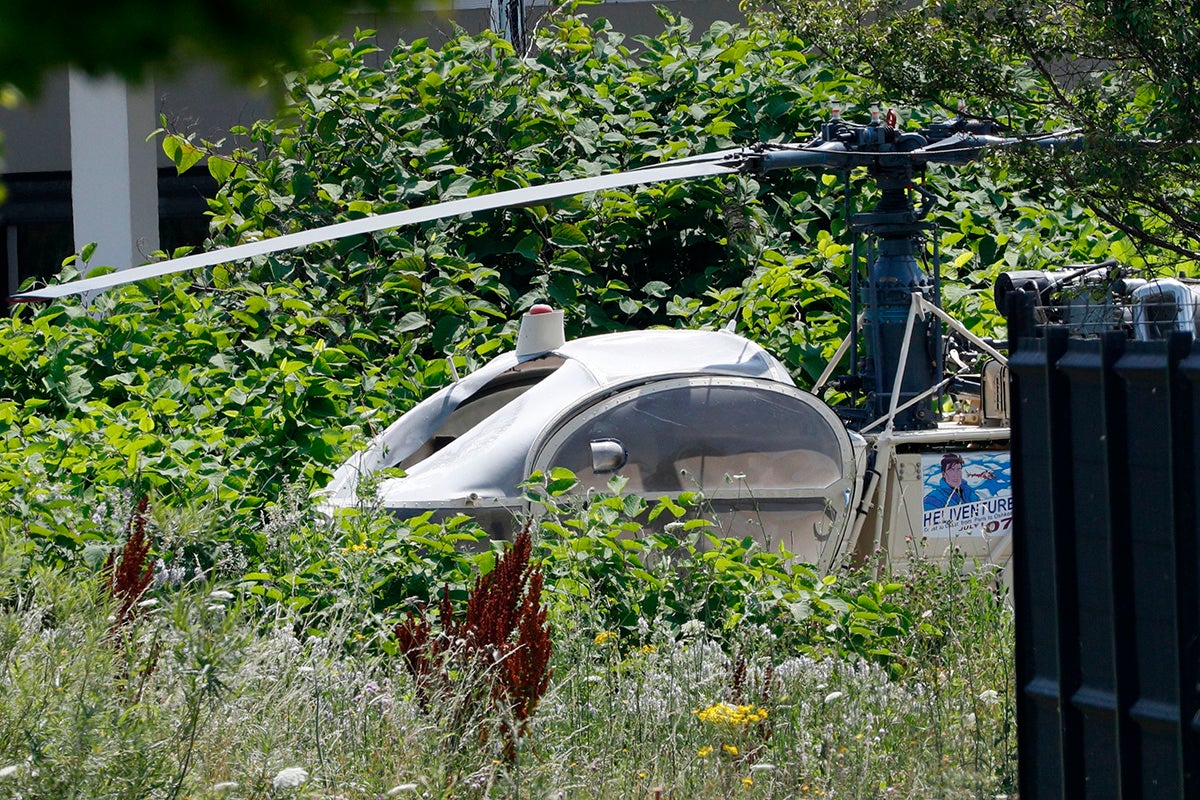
{"type": "Point", "coordinates": [530, 195]}
{"type": "Point", "coordinates": [959, 148]}
{"type": "Point", "coordinates": [728, 156]}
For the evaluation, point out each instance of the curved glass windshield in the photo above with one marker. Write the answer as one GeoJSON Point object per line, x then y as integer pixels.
{"type": "Point", "coordinates": [705, 435]}
{"type": "Point", "coordinates": [773, 461]}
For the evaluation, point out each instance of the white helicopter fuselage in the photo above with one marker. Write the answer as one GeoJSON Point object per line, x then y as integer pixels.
{"type": "Point", "coordinates": [708, 413]}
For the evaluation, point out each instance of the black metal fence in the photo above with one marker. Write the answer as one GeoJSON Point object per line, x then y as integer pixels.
{"type": "Point", "coordinates": [1106, 482]}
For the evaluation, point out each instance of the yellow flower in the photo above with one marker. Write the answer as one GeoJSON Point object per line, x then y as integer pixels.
{"type": "Point", "coordinates": [641, 775]}
{"type": "Point", "coordinates": [747, 782]}
{"type": "Point", "coordinates": [704, 752]}
{"type": "Point", "coordinates": [731, 715]}
{"type": "Point", "coordinates": [604, 637]}
{"type": "Point", "coordinates": [729, 748]}
{"type": "Point", "coordinates": [647, 649]}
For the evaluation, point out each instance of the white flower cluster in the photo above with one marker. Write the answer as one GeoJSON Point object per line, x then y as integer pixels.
{"type": "Point", "coordinates": [289, 778]}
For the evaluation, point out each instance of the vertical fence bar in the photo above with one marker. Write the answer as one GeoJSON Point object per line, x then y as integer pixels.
{"type": "Point", "coordinates": [1186, 421]}
{"type": "Point", "coordinates": [1155, 712]}
{"type": "Point", "coordinates": [1092, 673]}
{"type": "Point", "coordinates": [1039, 502]}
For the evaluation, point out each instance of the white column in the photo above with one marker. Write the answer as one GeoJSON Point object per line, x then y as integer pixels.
{"type": "Point", "coordinates": [114, 177]}
{"type": "Point", "coordinates": [507, 18]}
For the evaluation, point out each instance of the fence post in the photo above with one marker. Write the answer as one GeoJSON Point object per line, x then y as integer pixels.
{"type": "Point", "coordinates": [1039, 504]}
{"type": "Point", "coordinates": [1099, 513]}
{"type": "Point", "coordinates": [1156, 577]}
{"type": "Point", "coordinates": [1186, 425]}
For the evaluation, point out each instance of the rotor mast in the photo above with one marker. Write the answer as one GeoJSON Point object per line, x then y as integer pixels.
{"type": "Point", "coordinates": [896, 233]}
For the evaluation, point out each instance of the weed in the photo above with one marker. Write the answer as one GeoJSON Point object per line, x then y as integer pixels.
{"type": "Point", "coordinates": [247, 688]}
{"type": "Point", "coordinates": [503, 636]}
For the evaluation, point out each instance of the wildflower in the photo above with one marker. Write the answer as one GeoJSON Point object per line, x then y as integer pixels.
{"type": "Point", "coordinates": [747, 782]}
{"type": "Point", "coordinates": [604, 637]}
{"type": "Point", "coordinates": [730, 715]}
{"type": "Point", "coordinates": [8, 771]}
{"type": "Point", "coordinates": [989, 697]}
{"type": "Point", "coordinates": [167, 576]}
{"type": "Point", "coordinates": [289, 778]}
{"type": "Point", "coordinates": [829, 698]}
{"type": "Point", "coordinates": [404, 787]}
{"type": "Point", "coordinates": [730, 748]}
{"type": "Point", "coordinates": [647, 649]}
{"type": "Point", "coordinates": [691, 629]}
{"type": "Point", "coordinates": [704, 752]}
{"type": "Point", "coordinates": [641, 775]}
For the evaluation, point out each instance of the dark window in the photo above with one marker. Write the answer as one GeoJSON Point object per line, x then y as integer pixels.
{"type": "Point", "coordinates": [36, 221]}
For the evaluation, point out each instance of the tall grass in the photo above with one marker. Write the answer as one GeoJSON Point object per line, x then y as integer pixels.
{"type": "Point", "coordinates": [210, 691]}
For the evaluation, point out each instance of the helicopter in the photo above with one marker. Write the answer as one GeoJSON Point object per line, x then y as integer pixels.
{"type": "Point", "coordinates": [912, 460]}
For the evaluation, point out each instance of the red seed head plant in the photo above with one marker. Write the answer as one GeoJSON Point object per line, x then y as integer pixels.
{"type": "Point", "coordinates": [739, 694]}
{"type": "Point", "coordinates": [129, 576]}
{"type": "Point", "coordinates": [504, 632]}
{"type": "Point", "coordinates": [425, 654]}
{"type": "Point", "coordinates": [528, 662]}
{"type": "Point", "coordinates": [413, 635]}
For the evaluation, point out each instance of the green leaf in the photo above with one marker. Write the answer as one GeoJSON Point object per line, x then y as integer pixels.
{"type": "Point", "coordinates": [264, 347]}
{"type": "Point", "coordinates": [183, 154]}
{"type": "Point", "coordinates": [94, 555]}
{"type": "Point", "coordinates": [220, 168]}
{"type": "Point", "coordinates": [567, 235]}
{"type": "Point", "coordinates": [413, 320]}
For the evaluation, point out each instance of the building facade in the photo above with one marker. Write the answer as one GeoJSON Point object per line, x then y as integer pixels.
{"type": "Point", "coordinates": [78, 167]}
